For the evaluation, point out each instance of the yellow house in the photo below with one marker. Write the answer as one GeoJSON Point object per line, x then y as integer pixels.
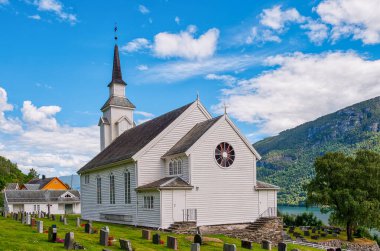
{"type": "Point", "coordinates": [53, 183]}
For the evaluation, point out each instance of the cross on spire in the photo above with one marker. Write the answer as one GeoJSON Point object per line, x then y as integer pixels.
{"type": "Point", "coordinates": [116, 69]}
{"type": "Point", "coordinates": [115, 30]}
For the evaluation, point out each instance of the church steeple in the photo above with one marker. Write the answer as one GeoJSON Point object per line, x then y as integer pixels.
{"type": "Point", "coordinates": [116, 70]}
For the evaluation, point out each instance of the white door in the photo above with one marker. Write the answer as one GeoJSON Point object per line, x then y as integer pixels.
{"type": "Point", "coordinates": [263, 201]}
{"type": "Point", "coordinates": [179, 204]}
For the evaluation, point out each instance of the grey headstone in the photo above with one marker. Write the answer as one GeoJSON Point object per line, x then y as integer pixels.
{"type": "Point", "coordinates": [78, 222]}
{"type": "Point", "coordinates": [125, 245]}
{"type": "Point", "coordinates": [156, 239]}
{"type": "Point", "coordinates": [281, 246]}
{"type": "Point", "coordinates": [69, 241]}
{"type": "Point", "coordinates": [195, 247]}
{"type": "Point", "coordinates": [306, 233]}
{"type": "Point", "coordinates": [61, 218]}
{"type": "Point", "coordinates": [246, 244]}
{"type": "Point", "coordinates": [88, 228]}
{"type": "Point", "coordinates": [104, 237]}
{"type": "Point", "coordinates": [172, 242]}
{"type": "Point", "coordinates": [198, 239]}
{"type": "Point", "coordinates": [28, 219]}
{"type": "Point", "coordinates": [40, 227]}
{"type": "Point", "coordinates": [64, 221]}
{"type": "Point", "coordinates": [146, 234]}
{"type": "Point", "coordinates": [265, 244]}
{"type": "Point", "coordinates": [229, 247]}
{"type": "Point", "coordinates": [53, 217]}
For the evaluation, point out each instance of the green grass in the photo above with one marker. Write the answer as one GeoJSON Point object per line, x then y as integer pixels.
{"type": "Point", "coordinates": [342, 236]}
{"type": "Point", "coordinates": [16, 236]}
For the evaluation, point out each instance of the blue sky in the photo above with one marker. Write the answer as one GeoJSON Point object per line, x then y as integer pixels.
{"type": "Point", "coordinates": [275, 64]}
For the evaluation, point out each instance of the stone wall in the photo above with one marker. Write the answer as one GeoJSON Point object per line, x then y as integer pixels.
{"type": "Point", "coordinates": [352, 246]}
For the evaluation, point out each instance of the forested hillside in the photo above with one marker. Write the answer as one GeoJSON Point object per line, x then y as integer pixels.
{"type": "Point", "coordinates": [288, 158]}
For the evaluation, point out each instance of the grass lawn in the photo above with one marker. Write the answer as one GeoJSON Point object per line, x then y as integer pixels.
{"type": "Point", "coordinates": [16, 236]}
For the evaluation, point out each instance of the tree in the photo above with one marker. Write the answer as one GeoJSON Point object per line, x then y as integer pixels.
{"type": "Point", "coordinates": [32, 174]}
{"type": "Point", "coordinates": [349, 188]}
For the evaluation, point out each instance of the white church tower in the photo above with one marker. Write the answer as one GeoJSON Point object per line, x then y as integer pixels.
{"type": "Point", "coordinates": [118, 110]}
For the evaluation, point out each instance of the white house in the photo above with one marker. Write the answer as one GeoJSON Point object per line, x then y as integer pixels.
{"type": "Point", "coordinates": [48, 201]}
{"type": "Point", "coordinates": [184, 165]}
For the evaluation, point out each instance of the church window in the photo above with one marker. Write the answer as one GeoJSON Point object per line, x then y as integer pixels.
{"type": "Point", "coordinates": [224, 154]}
{"type": "Point", "coordinates": [112, 189]}
{"type": "Point", "coordinates": [99, 190]}
{"type": "Point", "coordinates": [175, 167]}
{"type": "Point", "coordinates": [87, 179]}
{"type": "Point", "coordinates": [148, 202]}
{"type": "Point", "coordinates": [127, 183]}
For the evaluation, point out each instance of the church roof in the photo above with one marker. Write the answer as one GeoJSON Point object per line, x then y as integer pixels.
{"type": "Point", "coordinates": [133, 140]}
{"type": "Point", "coordinates": [191, 137]}
{"type": "Point", "coordinates": [22, 196]}
{"type": "Point", "coordinates": [260, 185]}
{"type": "Point", "coordinates": [118, 101]}
{"type": "Point", "coordinates": [40, 182]}
{"type": "Point", "coordinates": [167, 182]}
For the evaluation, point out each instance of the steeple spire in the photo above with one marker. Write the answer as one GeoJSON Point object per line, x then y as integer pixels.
{"type": "Point", "coordinates": [116, 70]}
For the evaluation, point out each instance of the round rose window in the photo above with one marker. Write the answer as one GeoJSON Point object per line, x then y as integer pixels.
{"type": "Point", "coordinates": [224, 154]}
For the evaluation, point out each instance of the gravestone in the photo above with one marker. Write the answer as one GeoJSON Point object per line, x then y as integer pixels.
{"type": "Point", "coordinates": [33, 222]}
{"type": "Point", "coordinates": [156, 239]}
{"type": "Point", "coordinates": [265, 244]}
{"type": "Point", "coordinates": [246, 244]}
{"type": "Point", "coordinates": [53, 217]}
{"type": "Point", "coordinates": [78, 222]}
{"type": "Point", "coordinates": [88, 228]}
{"type": "Point", "coordinates": [229, 247]}
{"type": "Point", "coordinates": [335, 235]}
{"type": "Point", "coordinates": [146, 234]}
{"type": "Point", "coordinates": [125, 245]}
{"type": "Point", "coordinates": [52, 234]}
{"type": "Point", "coordinates": [330, 249]}
{"type": "Point", "coordinates": [338, 249]}
{"type": "Point", "coordinates": [315, 237]}
{"type": "Point", "coordinates": [40, 227]}
{"type": "Point", "coordinates": [69, 241]}
{"type": "Point", "coordinates": [104, 234]}
{"type": "Point", "coordinates": [281, 246]}
{"type": "Point", "coordinates": [65, 221]}
{"type": "Point", "coordinates": [198, 239]}
{"type": "Point", "coordinates": [295, 249]}
{"type": "Point", "coordinates": [313, 230]}
{"type": "Point", "coordinates": [306, 233]}
{"type": "Point", "coordinates": [172, 242]}
{"type": "Point", "coordinates": [323, 234]}
{"type": "Point", "coordinates": [28, 219]}
{"type": "Point", "coordinates": [195, 247]}
{"type": "Point", "coordinates": [61, 218]}
{"type": "Point", "coordinates": [39, 214]}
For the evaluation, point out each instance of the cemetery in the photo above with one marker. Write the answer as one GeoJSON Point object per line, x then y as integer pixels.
{"type": "Point", "coordinates": [69, 233]}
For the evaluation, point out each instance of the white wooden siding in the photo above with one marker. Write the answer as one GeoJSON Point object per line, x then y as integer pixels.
{"type": "Point", "coordinates": [91, 210]}
{"type": "Point", "coordinates": [151, 166]}
{"type": "Point", "coordinates": [225, 195]}
{"type": "Point", "coordinates": [149, 217]}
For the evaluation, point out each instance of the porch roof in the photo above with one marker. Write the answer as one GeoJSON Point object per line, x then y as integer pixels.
{"type": "Point", "coordinates": [166, 183]}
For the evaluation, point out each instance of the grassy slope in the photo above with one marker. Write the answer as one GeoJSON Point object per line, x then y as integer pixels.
{"type": "Point", "coordinates": [288, 158]}
{"type": "Point", "coordinates": [17, 237]}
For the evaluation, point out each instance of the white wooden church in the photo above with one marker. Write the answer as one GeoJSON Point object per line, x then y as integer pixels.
{"type": "Point", "coordinates": [184, 165]}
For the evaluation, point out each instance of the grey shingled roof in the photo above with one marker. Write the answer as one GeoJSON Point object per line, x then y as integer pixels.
{"type": "Point", "coordinates": [32, 186]}
{"type": "Point", "coordinates": [20, 196]}
{"type": "Point", "coordinates": [167, 182]}
{"type": "Point", "coordinates": [260, 185]}
{"type": "Point", "coordinates": [40, 182]}
{"type": "Point", "coordinates": [11, 186]}
{"type": "Point", "coordinates": [118, 101]}
{"type": "Point", "coordinates": [191, 137]}
{"type": "Point", "coordinates": [133, 140]}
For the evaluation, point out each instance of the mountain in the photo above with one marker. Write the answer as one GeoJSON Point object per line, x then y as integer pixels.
{"type": "Point", "coordinates": [288, 157]}
{"type": "Point", "coordinates": [72, 180]}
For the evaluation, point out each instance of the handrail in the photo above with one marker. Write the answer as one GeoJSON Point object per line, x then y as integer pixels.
{"type": "Point", "coordinates": [269, 212]}
{"type": "Point", "coordinates": [189, 214]}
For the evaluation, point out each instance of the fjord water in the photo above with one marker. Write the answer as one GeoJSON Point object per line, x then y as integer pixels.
{"type": "Point", "coordinates": [296, 210]}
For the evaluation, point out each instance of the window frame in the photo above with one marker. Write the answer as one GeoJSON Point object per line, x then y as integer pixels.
{"type": "Point", "coordinates": [86, 179]}
{"type": "Point", "coordinates": [112, 189]}
{"type": "Point", "coordinates": [148, 203]}
{"type": "Point", "coordinates": [176, 167]}
{"type": "Point", "coordinates": [98, 190]}
{"type": "Point", "coordinates": [127, 187]}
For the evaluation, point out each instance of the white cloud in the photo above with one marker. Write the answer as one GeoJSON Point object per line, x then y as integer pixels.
{"type": "Point", "coordinates": [177, 20]}
{"type": "Point", "coordinates": [180, 70]}
{"type": "Point", "coordinates": [184, 45]}
{"type": "Point", "coordinates": [56, 7]}
{"type": "Point", "coordinates": [136, 45]}
{"type": "Point", "coordinates": [317, 31]}
{"type": "Point", "coordinates": [142, 67]}
{"type": "Point", "coordinates": [7, 125]}
{"type": "Point", "coordinates": [35, 17]}
{"type": "Point", "coordinates": [275, 18]}
{"type": "Point", "coordinates": [146, 116]}
{"type": "Point", "coordinates": [40, 142]}
{"type": "Point", "coordinates": [143, 9]}
{"type": "Point", "coordinates": [227, 79]}
{"type": "Point", "coordinates": [359, 19]}
{"type": "Point", "coordinates": [300, 88]}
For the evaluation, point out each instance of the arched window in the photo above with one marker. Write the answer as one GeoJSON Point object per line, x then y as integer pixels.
{"type": "Point", "coordinates": [98, 190]}
{"type": "Point", "coordinates": [127, 187]}
{"type": "Point", "coordinates": [175, 167]}
{"type": "Point", "coordinates": [112, 189]}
